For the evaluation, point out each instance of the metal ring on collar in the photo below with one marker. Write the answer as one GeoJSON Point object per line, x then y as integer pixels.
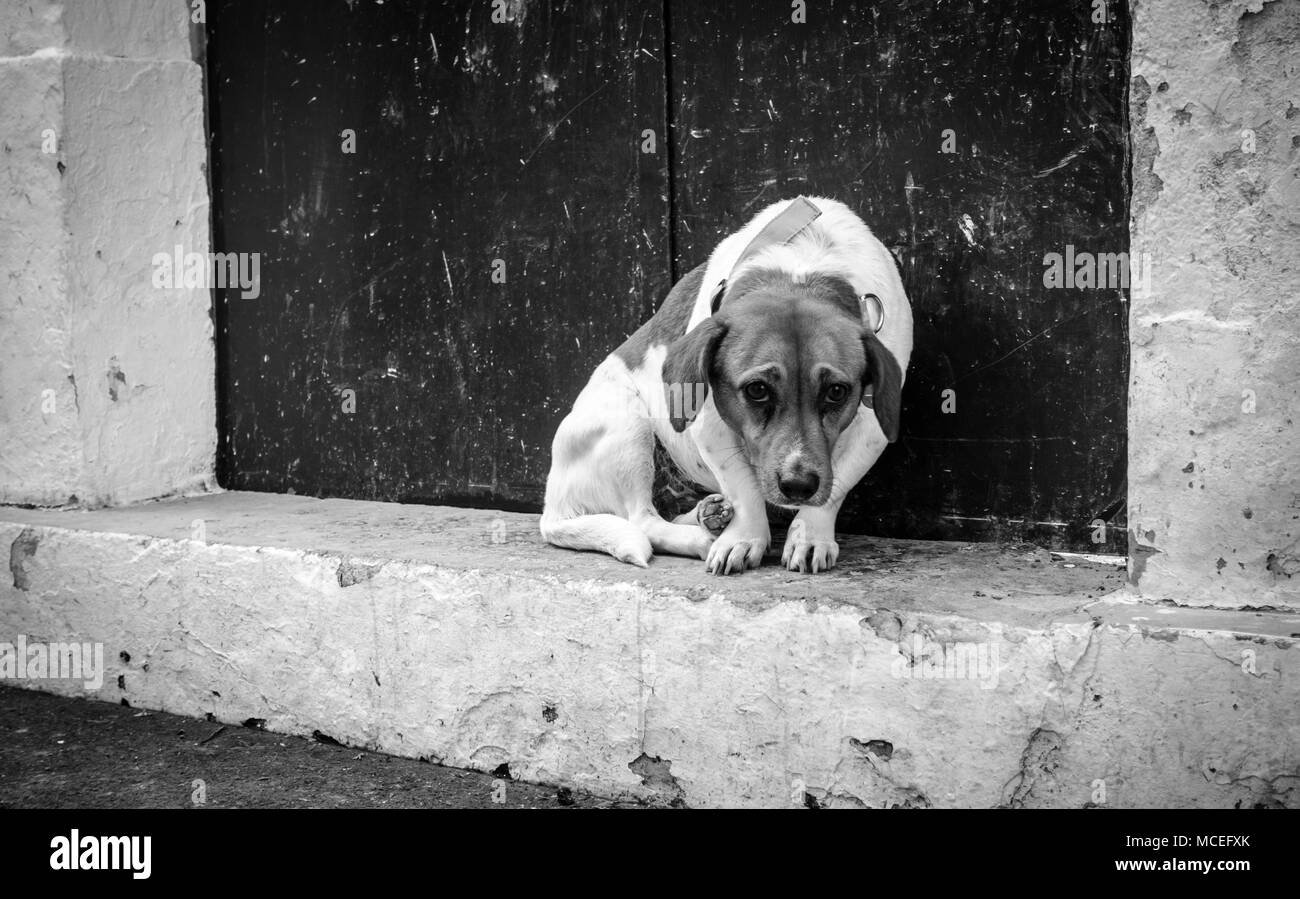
{"type": "Point", "coordinates": [879, 305]}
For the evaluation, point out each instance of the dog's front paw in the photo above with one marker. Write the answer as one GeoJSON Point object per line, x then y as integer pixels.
{"type": "Point", "coordinates": [714, 513]}
{"type": "Point", "coordinates": [809, 549]}
{"type": "Point", "coordinates": [736, 549]}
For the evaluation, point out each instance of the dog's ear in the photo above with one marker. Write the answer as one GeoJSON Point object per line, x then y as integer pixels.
{"type": "Point", "coordinates": [886, 380]}
{"type": "Point", "coordinates": [687, 367]}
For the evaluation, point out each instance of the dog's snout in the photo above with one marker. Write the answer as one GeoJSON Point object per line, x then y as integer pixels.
{"type": "Point", "coordinates": [799, 485]}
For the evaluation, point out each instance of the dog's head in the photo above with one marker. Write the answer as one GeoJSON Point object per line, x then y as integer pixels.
{"type": "Point", "coordinates": [787, 364]}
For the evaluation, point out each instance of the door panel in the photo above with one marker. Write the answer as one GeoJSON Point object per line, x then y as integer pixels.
{"type": "Point", "coordinates": [482, 148]}
{"type": "Point", "coordinates": [861, 103]}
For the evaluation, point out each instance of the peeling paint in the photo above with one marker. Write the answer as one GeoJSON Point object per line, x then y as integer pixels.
{"type": "Point", "coordinates": [20, 551]}
{"type": "Point", "coordinates": [656, 774]}
{"type": "Point", "coordinates": [352, 572]}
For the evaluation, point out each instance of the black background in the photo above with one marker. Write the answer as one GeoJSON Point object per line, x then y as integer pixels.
{"type": "Point", "coordinates": [522, 141]}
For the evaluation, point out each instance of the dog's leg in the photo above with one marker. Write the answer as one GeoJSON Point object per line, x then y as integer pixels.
{"type": "Point", "coordinates": [599, 491]}
{"type": "Point", "coordinates": [671, 537]}
{"type": "Point", "coordinates": [746, 538]}
{"type": "Point", "coordinates": [713, 513]}
{"type": "Point", "coordinates": [594, 460]}
{"type": "Point", "coordinates": [601, 532]}
{"type": "Point", "coordinates": [810, 543]}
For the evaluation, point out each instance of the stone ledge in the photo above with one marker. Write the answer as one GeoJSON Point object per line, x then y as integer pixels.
{"type": "Point", "coordinates": [917, 674]}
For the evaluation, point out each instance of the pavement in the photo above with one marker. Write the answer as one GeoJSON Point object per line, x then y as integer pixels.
{"type": "Point", "coordinates": [75, 753]}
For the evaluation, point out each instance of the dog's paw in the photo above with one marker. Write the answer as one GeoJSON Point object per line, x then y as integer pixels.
{"type": "Point", "coordinates": [809, 552]}
{"type": "Point", "coordinates": [714, 513]}
{"type": "Point", "coordinates": [736, 550]}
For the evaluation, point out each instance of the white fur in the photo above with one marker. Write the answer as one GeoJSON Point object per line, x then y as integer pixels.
{"type": "Point", "coordinates": [600, 499]}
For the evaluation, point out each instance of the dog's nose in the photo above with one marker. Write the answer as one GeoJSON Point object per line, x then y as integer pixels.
{"type": "Point", "coordinates": [799, 486]}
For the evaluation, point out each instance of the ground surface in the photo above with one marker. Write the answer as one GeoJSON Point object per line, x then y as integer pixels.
{"type": "Point", "coordinates": [71, 753]}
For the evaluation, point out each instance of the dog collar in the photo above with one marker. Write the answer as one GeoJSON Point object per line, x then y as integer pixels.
{"type": "Point", "coordinates": [799, 214]}
{"type": "Point", "coordinates": [789, 224]}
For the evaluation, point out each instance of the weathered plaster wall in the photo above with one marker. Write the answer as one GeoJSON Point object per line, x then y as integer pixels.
{"type": "Point", "coordinates": [106, 384]}
{"type": "Point", "coordinates": [1214, 448]}
{"type": "Point", "coordinates": [40, 455]}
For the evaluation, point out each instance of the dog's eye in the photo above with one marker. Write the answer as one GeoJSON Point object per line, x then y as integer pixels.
{"type": "Point", "coordinates": [757, 392]}
{"type": "Point", "coordinates": [837, 393]}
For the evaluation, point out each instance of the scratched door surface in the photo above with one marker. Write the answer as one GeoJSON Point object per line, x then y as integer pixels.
{"type": "Point", "coordinates": [974, 139]}
{"type": "Point", "coordinates": [383, 360]}
{"type": "Point", "coordinates": [456, 222]}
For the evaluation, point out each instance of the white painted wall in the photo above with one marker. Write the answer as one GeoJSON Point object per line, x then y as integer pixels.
{"type": "Point", "coordinates": [1214, 448]}
{"type": "Point", "coordinates": [107, 388]}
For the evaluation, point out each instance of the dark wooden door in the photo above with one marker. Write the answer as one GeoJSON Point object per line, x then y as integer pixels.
{"type": "Point", "coordinates": [430, 302]}
{"type": "Point", "coordinates": [566, 151]}
{"type": "Point", "coordinates": [974, 138]}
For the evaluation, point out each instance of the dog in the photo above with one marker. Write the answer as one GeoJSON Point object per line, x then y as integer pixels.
{"type": "Point", "coordinates": [753, 376]}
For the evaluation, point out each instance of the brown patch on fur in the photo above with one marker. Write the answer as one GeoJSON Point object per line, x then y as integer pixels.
{"type": "Point", "coordinates": [667, 324]}
{"type": "Point", "coordinates": [794, 343]}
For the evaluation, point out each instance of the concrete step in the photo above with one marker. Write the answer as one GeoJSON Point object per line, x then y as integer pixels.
{"type": "Point", "coordinates": [916, 674]}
